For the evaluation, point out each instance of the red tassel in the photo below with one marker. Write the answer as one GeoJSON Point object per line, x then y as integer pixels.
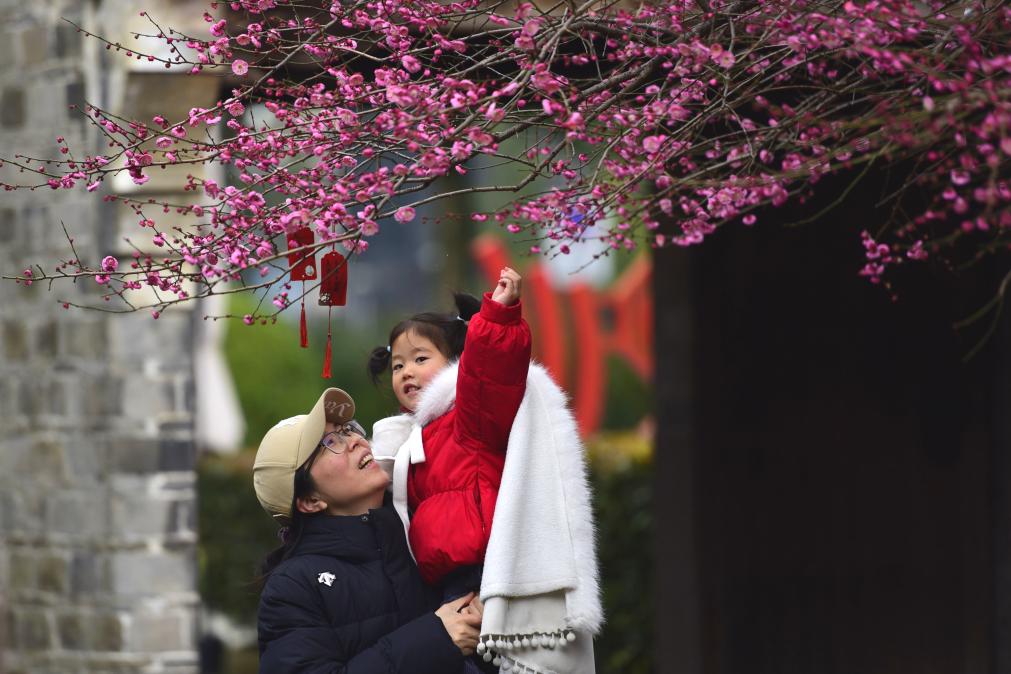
{"type": "Point", "coordinates": [326, 357]}
{"type": "Point", "coordinates": [303, 331]}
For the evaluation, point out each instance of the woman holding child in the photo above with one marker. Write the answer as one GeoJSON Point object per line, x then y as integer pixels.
{"type": "Point", "coordinates": [486, 439]}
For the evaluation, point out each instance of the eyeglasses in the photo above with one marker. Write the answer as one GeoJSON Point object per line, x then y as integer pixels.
{"type": "Point", "coordinates": [337, 441]}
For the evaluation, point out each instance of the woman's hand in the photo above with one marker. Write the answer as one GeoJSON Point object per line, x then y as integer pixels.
{"type": "Point", "coordinates": [507, 290]}
{"type": "Point", "coordinates": [475, 607]}
{"type": "Point", "coordinates": [461, 622]}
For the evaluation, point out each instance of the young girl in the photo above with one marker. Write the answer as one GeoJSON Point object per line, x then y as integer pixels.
{"type": "Point", "coordinates": [448, 452]}
{"type": "Point", "coordinates": [451, 495]}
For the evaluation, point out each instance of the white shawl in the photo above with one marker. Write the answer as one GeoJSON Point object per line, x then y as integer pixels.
{"type": "Point", "coordinates": [540, 583]}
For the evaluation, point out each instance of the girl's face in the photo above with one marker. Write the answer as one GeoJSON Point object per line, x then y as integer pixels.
{"type": "Point", "coordinates": [348, 480]}
{"type": "Point", "coordinates": [415, 360]}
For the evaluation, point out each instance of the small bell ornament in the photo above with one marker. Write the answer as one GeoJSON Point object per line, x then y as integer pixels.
{"type": "Point", "coordinates": [333, 291]}
{"type": "Point", "coordinates": [302, 267]}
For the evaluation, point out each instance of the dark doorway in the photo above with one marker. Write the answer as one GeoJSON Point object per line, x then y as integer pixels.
{"type": "Point", "coordinates": [847, 476]}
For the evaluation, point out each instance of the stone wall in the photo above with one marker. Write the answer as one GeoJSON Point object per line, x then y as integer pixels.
{"type": "Point", "coordinates": [97, 502]}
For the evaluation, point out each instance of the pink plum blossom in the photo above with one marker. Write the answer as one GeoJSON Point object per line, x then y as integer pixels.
{"type": "Point", "coordinates": [404, 214]}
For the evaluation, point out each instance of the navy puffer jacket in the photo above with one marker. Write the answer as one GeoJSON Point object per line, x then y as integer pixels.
{"type": "Point", "coordinates": [350, 601]}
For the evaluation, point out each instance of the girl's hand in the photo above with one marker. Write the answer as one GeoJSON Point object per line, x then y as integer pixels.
{"type": "Point", "coordinates": [463, 626]}
{"type": "Point", "coordinates": [507, 290]}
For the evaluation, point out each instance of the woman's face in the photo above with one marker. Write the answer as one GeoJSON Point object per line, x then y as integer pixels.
{"type": "Point", "coordinates": [349, 482]}
{"type": "Point", "coordinates": [415, 360]}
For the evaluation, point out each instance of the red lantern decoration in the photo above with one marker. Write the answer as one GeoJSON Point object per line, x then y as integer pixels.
{"type": "Point", "coordinates": [302, 267]}
{"type": "Point", "coordinates": [333, 291]}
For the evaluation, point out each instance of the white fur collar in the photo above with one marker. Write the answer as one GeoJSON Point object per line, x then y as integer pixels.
{"type": "Point", "coordinates": [439, 396]}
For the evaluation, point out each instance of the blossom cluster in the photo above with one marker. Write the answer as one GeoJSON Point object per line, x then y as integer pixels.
{"type": "Point", "coordinates": [651, 125]}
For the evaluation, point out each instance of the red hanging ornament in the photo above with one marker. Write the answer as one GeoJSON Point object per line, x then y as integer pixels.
{"type": "Point", "coordinates": [333, 291]}
{"type": "Point", "coordinates": [333, 288]}
{"type": "Point", "coordinates": [301, 265]}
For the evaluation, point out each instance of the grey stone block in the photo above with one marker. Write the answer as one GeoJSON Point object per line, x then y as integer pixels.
{"type": "Point", "coordinates": [190, 394]}
{"type": "Point", "coordinates": [175, 428]}
{"type": "Point", "coordinates": [12, 107]}
{"type": "Point", "coordinates": [41, 460]}
{"type": "Point", "coordinates": [27, 511]}
{"type": "Point", "coordinates": [34, 218]}
{"type": "Point", "coordinates": [34, 44]}
{"type": "Point", "coordinates": [75, 102]}
{"type": "Point", "coordinates": [68, 41]}
{"type": "Point", "coordinates": [71, 629]}
{"type": "Point", "coordinates": [51, 574]}
{"type": "Point", "coordinates": [15, 340]}
{"type": "Point", "coordinates": [6, 516]}
{"type": "Point", "coordinates": [143, 399]}
{"type": "Point", "coordinates": [7, 51]}
{"type": "Point", "coordinates": [93, 632]}
{"type": "Point", "coordinates": [105, 633]}
{"type": "Point", "coordinates": [101, 396]}
{"type": "Point", "coordinates": [7, 624]}
{"type": "Point", "coordinates": [144, 573]}
{"type": "Point", "coordinates": [56, 398]}
{"type": "Point", "coordinates": [81, 514]}
{"type": "Point", "coordinates": [8, 227]}
{"type": "Point", "coordinates": [177, 455]}
{"type": "Point", "coordinates": [169, 394]}
{"type": "Point", "coordinates": [158, 632]}
{"type": "Point", "coordinates": [180, 665]}
{"type": "Point", "coordinates": [177, 486]}
{"type": "Point", "coordinates": [7, 406]}
{"type": "Point", "coordinates": [87, 574]}
{"type": "Point", "coordinates": [136, 514]}
{"type": "Point", "coordinates": [134, 455]}
{"type": "Point", "coordinates": [74, 96]}
{"type": "Point", "coordinates": [87, 339]}
{"type": "Point", "coordinates": [45, 339]}
{"type": "Point", "coordinates": [31, 629]}
{"type": "Point", "coordinates": [22, 571]}
{"type": "Point", "coordinates": [182, 517]}
{"type": "Point", "coordinates": [86, 459]}
{"type": "Point", "coordinates": [31, 397]}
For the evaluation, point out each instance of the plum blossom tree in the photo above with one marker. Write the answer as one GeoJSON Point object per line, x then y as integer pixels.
{"type": "Point", "coordinates": [659, 121]}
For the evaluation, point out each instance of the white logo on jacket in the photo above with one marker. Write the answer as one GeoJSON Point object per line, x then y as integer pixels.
{"type": "Point", "coordinates": [327, 578]}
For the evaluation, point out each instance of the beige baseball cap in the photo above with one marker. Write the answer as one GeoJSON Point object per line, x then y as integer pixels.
{"type": "Point", "coordinates": [289, 444]}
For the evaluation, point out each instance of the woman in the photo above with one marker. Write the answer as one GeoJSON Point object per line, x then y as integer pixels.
{"type": "Point", "coordinates": [342, 593]}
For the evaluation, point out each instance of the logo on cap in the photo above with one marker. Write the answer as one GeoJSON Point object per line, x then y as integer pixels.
{"type": "Point", "coordinates": [333, 407]}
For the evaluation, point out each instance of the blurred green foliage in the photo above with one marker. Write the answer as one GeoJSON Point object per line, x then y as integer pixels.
{"type": "Point", "coordinates": [623, 503]}
{"type": "Point", "coordinates": [275, 378]}
{"type": "Point", "coordinates": [628, 398]}
{"type": "Point", "coordinates": [235, 535]}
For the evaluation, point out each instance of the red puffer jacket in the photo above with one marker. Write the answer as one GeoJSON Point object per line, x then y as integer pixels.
{"type": "Point", "coordinates": [452, 494]}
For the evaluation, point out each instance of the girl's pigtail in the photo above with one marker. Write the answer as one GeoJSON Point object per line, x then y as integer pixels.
{"type": "Point", "coordinates": [379, 361]}
{"type": "Point", "coordinates": [466, 307]}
